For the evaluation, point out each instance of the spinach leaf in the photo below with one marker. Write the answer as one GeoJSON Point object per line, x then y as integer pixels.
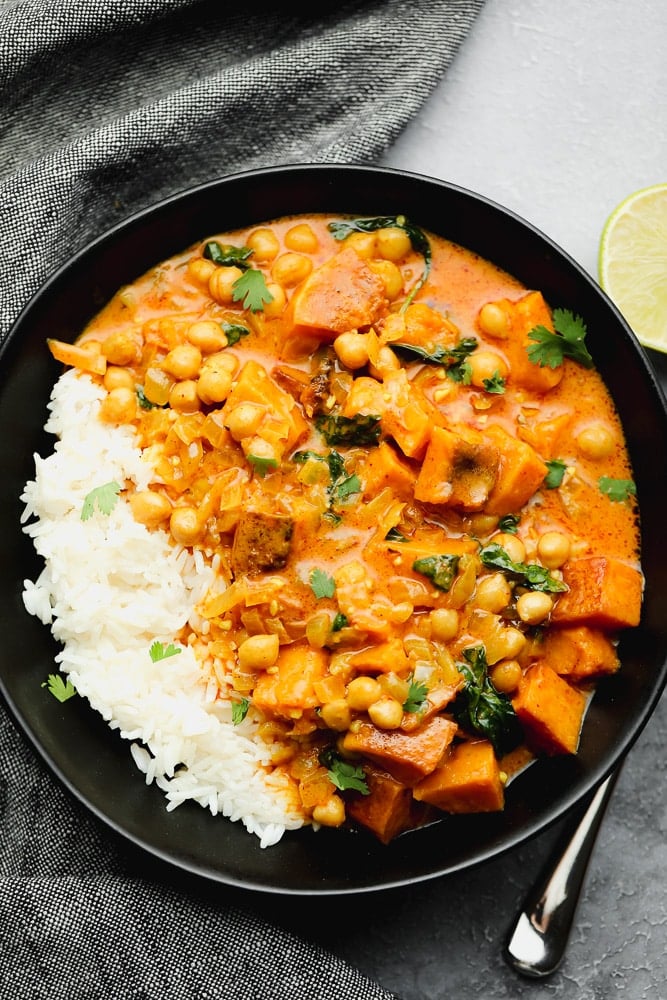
{"type": "Point", "coordinates": [483, 709]}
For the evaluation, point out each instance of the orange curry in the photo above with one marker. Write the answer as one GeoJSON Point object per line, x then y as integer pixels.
{"type": "Point", "coordinates": [415, 492]}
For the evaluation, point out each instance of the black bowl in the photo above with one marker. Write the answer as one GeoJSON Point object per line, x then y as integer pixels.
{"type": "Point", "coordinates": [94, 763]}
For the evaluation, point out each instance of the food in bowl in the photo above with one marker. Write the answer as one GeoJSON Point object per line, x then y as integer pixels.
{"type": "Point", "coordinates": [340, 526]}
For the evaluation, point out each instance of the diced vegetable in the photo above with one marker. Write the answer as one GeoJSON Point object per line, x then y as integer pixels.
{"type": "Point", "coordinates": [551, 710]}
{"type": "Point", "coordinates": [603, 592]}
{"type": "Point", "coordinates": [342, 294]}
{"type": "Point", "coordinates": [459, 469]}
{"type": "Point", "coordinates": [406, 756]}
{"type": "Point", "coordinates": [468, 780]}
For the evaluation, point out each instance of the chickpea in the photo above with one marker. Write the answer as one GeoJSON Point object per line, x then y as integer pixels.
{"type": "Point", "coordinates": [506, 675]}
{"type": "Point", "coordinates": [485, 365]}
{"type": "Point", "coordinates": [493, 593]}
{"type": "Point", "coordinates": [291, 268]}
{"type": "Point", "coordinates": [512, 544]}
{"type": "Point", "coordinates": [264, 243]}
{"type": "Point", "coordinates": [596, 440]}
{"type": "Point", "coordinates": [533, 607]}
{"type": "Point", "coordinates": [123, 347]}
{"type": "Point", "coordinates": [276, 305]}
{"type": "Point", "coordinates": [393, 243]}
{"type": "Point", "coordinates": [352, 349]}
{"type": "Point", "coordinates": [244, 419]}
{"type": "Point", "coordinates": [301, 238]}
{"type": "Point", "coordinates": [387, 361]}
{"type": "Point", "coordinates": [118, 378]}
{"type": "Point", "coordinates": [483, 524]}
{"type": "Point", "coordinates": [183, 362]}
{"type": "Point", "coordinates": [221, 283]}
{"type": "Point", "coordinates": [362, 692]}
{"type": "Point", "coordinates": [553, 549]}
{"type": "Point", "coordinates": [258, 652]}
{"type": "Point", "coordinates": [444, 624]}
{"type": "Point", "coordinates": [201, 269]}
{"type": "Point", "coordinates": [386, 713]}
{"type": "Point", "coordinates": [493, 320]}
{"type": "Point", "coordinates": [207, 336]}
{"type": "Point", "coordinates": [119, 407]}
{"type": "Point", "coordinates": [336, 715]}
{"type": "Point", "coordinates": [510, 643]}
{"type": "Point", "coordinates": [363, 243]}
{"type": "Point", "coordinates": [258, 447]}
{"type": "Point", "coordinates": [331, 812]}
{"type": "Point", "coordinates": [213, 385]}
{"type": "Point", "coordinates": [390, 275]}
{"type": "Point", "coordinates": [150, 508]}
{"type": "Point", "coordinates": [184, 525]}
{"type": "Point", "coordinates": [184, 396]}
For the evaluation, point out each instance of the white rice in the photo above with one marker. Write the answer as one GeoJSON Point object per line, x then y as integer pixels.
{"type": "Point", "coordinates": [109, 589]}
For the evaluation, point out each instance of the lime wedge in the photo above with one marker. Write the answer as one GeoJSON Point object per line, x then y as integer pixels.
{"type": "Point", "coordinates": [632, 263]}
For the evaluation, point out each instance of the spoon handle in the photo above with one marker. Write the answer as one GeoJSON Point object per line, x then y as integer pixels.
{"type": "Point", "coordinates": [539, 936]}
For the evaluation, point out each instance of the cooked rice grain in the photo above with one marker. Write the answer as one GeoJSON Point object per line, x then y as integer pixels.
{"type": "Point", "coordinates": [109, 588]}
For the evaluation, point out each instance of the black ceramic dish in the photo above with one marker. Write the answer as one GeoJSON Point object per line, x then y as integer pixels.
{"type": "Point", "coordinates": [93, 762]}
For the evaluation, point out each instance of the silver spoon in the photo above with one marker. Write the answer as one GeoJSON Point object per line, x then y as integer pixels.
{"type": "Point", "coordinates": [538, 938]}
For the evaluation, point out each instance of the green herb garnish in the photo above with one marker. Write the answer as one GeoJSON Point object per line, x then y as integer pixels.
{"type": "Point", "coordinates": [105, 497]}
{"type": "Point", "coordinates": [60, 689]}
{"type": "Point", "coordinates": [529, 575]}
{"type": "Point", "coordinates": [509, 524]}
{"type": "Point", "coordinates": [481, 707]}
{"type": "Point", "coordinates": [416, 699]}
{"type": "Point", "coordinates": [262, 465]}
{"type": "Point", "coordinates": [251, 289]}
{"type": "Point", "coordinates": [342, 773]}
{"type": "Point", "coordinates": [339, 622]}
{"type": "Point", "coordinates": [618, 490]}
{"type": "Point", "coordinates": [233, 332]}
{"type": "Point", "coordinates": [162, 650]}
{"type": "Point", "coordinates": [495, 385]}
{"type": "Point", "coordinates": [550, 349]}
{"type": "Point", "coordinates": [225, 255]}
{"type": "Point", "coordinates": [440, 569]}
{"type": "Point", "coordinates": [454, 360]}
{"type": "Point", "coordinates": [240, 708]}
{"type": "Point", "coordinates": [364, 429]}
{"type": "Point", "coordinates": [554, 476]}
{"type": "Point", "coordinates": [321, 584]}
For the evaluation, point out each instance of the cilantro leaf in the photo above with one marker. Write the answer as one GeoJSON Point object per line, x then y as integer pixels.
{"type": "Point", "coordinates": [529, 575]}
{"type": "Point", "coordinates": [550, 349]}
{"type": "Point", "coordinates": [441, 569]}
{"type": "Point", "coordinates": [105, 496]}
{"type": "Point", "coordinates": [342, 773]}
{"type": "Point", "coordinates": [618, 490]}
{"type": "Point", "coordinates": [416, 699]}
{"type": "Point", "coordinates": [363, 429]}
{"type": "Point", "coordinates": [240, 708]}
{"type": "Point", "coordinates": [479, 706]}
{"type": "Point", "coordinates": [554, 476]}
{"type": "Point", "coordinates": [347, 487]}
{"type": "Point", "coordinates": [495, 384]}
{"type": "Point", "coordinates": [251, 289]}
{"type": "Point", "coordinates": [420, 243]}
{"type": "Point", "coordinates": [233, 332]}
{"type": "Point", "coordinates": [60, 689]}
{"type": "Point", "coordinates": [321, 584]}
{"type": "Point", "coordinates": [262, 465]}
{"type": "Point", "coordinates": [161, 651]}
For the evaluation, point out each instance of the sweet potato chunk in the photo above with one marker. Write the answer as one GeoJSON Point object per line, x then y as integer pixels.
{"type": "Point", "coordinates": [603, 592]}
{"type": "Point", "coordinates": [579, 652]}
{"type": "Point", "coordinates": [290, 691]}
{"type": "Point", "coordinates": [522, 316]}
{"type": "Point", "coordinates": [388, 808]}
{"type": "Point", "coordinates": [459, 469]}
{"type": "Point", "coordinates": [550, 709]}
{"type": "Point", "coordinates": [342, 294]}
{"type": "Point", "coordinates": [381, 658]}
{"type": "Point", "coordinates": [406, 756]}
{"type": "Point", "coordinates": [520, 474]}
{"type": "Point", "coordinates": [382, 467]}
{"type": "Point", "coordinates": [467, 781]}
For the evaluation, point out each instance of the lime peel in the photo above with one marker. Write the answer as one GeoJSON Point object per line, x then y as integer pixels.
{"type": "Point", "coordinates": [632, 263]}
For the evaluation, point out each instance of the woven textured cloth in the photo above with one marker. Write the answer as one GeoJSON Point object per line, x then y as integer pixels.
{"type": "Point", "coordinates": [106, 107]}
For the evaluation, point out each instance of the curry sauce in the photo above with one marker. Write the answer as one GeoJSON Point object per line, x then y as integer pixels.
{"type": "Point", "coordinates": [413, 487]}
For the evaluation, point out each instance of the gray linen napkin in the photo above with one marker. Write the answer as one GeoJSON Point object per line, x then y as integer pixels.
{"type": "Point", "coordinates": [104, 109]}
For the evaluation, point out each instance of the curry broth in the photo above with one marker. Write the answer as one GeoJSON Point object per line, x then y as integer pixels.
{"type": "Point", "coordinates": [352, 583]}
